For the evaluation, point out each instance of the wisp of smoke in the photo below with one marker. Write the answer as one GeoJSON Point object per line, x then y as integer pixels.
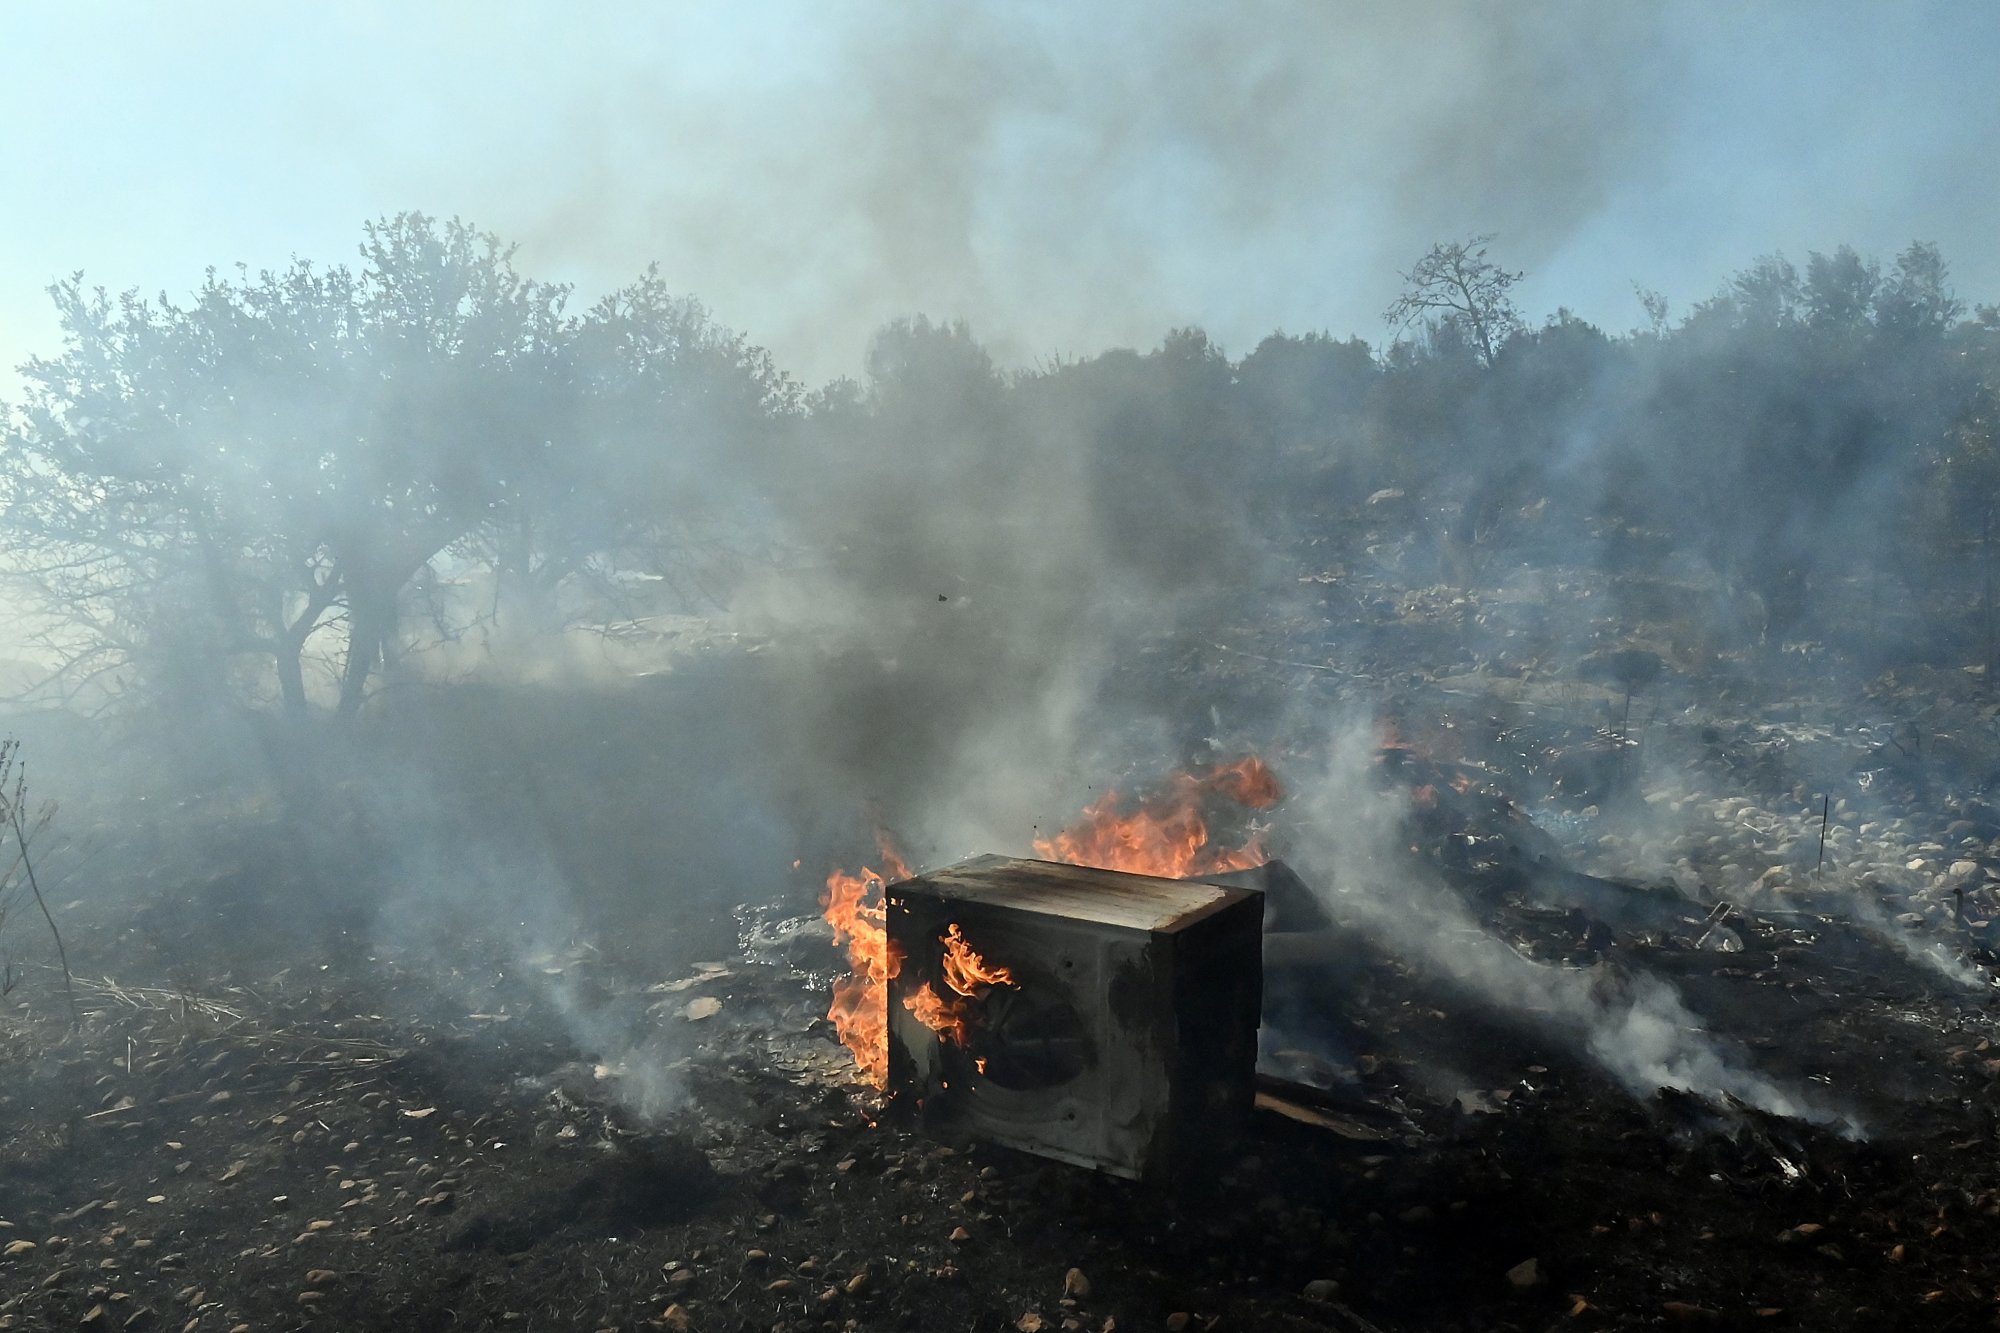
{"type": "Point", "coordinates": [1635, 1027]}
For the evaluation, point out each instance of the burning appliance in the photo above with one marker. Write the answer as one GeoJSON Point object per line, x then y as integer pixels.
{"type": "Point", "coordinates": [1095, 1017]}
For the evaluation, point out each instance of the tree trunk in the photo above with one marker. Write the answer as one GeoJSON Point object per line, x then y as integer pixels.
{"type": "Point", "coordinates": [371, 619]}
{"type": "Point", "coordinates": [291, 677]}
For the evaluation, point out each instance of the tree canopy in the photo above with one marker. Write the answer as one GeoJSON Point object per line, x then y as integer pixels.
{"type": "Point", "coordinates": [277, 488]}
{"type": "Point", "coordinates": [203, 492]}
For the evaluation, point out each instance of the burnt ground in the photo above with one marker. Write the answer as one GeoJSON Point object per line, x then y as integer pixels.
{"type": "Point", "coordinates": [366, 1142]}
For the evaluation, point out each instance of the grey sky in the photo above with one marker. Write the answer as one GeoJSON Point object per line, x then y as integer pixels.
{"type": "Point", "coordinates": [1064, 176]}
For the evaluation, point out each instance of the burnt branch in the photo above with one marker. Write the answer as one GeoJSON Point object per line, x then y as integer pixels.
{"type": "Point", "coordinates": [25, 827]}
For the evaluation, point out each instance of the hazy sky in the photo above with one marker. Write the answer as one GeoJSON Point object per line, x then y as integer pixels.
{"type": "Point", "coordinates": [1065, 176]}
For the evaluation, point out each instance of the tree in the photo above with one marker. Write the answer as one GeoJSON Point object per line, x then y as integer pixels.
{"type": "Point", "coordinates": [664, 400]}
{"type": "Point", "coordinates": [1456, 285]}
{"type": "Point", "coordinates": [1654, 303]}
{"type": "Point", "coordinates": [199, 485]}
{"type": "Point", "coordinates": [1916, 301]}
{"type": "Point", "coordinates": [1768, 295]}
{"type": "Point", "coordinates": [1840, 290]}
{"type": "Point", "coordinates": [1305, 400]}
{"type": "Point", "coordinates": [211, 495]}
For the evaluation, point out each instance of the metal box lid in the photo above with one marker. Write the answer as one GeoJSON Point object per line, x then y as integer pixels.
{"type": "Point", "coordinates": [1077, 893]}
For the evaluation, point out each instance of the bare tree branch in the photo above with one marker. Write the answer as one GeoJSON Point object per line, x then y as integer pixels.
{"type": "Point", "coordinates": [1457, 284]}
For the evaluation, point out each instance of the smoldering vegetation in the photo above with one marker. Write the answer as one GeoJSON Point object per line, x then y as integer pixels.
{"type": "Point", "coordinates": [392, 604]}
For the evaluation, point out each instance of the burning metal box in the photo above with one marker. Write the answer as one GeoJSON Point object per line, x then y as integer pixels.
{"type": "Point", "coordinates": [1099, 1018]}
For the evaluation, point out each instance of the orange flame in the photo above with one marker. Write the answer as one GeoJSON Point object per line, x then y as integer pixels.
{"type": "Point", "coordinates": [1168, 834]}
{"type": "Point", "coordinates": [965, 972]}
{"type": "Point", "coordinates": [935, 1012]}
{"type": "Point", "coordinates": [860, 1009]}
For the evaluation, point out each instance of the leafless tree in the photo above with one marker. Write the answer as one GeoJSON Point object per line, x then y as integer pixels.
{"type": "Point", "coordinates": [1455, 283]}
{"type": "Point", "coordinates": [18, 883]}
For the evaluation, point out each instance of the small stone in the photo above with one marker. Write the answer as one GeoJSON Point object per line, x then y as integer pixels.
{"type": "Point", "coordinates": [1526, 1275]}
{"type": "Point", "coordinates": [1075, 1285]}
{"type": "Point", "coordinates": [1322, 1289]}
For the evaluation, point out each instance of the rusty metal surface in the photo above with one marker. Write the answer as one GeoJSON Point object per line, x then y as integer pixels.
{"type": "Point", "coordinates": [1128, 1038]}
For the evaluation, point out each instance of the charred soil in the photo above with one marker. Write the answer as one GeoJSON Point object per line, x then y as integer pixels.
{"type": "Point", "coordinates": [369, 1149]}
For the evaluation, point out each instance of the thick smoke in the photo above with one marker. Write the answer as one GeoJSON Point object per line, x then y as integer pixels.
{"type": "Point", "coordinates": [975, 162]}
{"type": "Point", "coordinates": [1635, 1027]}
{"type": "Point", "coordinates": [987, 557]}
{"type": "Point", "coordinates": [1064, 177]}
